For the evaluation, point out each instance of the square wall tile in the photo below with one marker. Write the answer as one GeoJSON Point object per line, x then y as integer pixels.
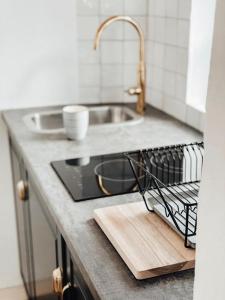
{"type": "Point", "coordinates": [129, 31]}
{"type": "Point", "coordinates": [87, 7]}
{"type": "Point", "coordinates": [130, 76]}
{"type": "Point", "coordinates": [111, 52]}
{"type": "Point", "coordinates": [134, 7]}
{"type": "Point", "coordinates": [155, 78]}
{"type": "Point", "coordinates": [171, 58]}
{"type": "Point", "coordinates": [174, 108]}
{"type": "Point", "coordinates": [184, 10]}
{"type": "Point", "coordinates": [158, 54]}
{"type": "Point", "coordinates": [109, 94]}
{"type": "Point", "coordinates": [183, 33]}
{"type": "Point", "coordinates": [87, 55]}
{"type": "Point", "coordinates": [149, 52]}
{"type": "Point", "coordinates": [112, 75]}
{"type": "Point", "coordinates": [159, 30]}
{"type": "Point", "coordinates": [87, 27]}
{"type": "Point", "coordinates": [181, 87]}
{"type": "Point", "coordinates": [182, 61]}
{"type": "Point", "coordinates": [151, 4]}
{"type": "Point", "coordinates": [89, 75]}
{"type": "Point", "coordinates": [155, 98]}
{"type": "Point", "coordinates": [171, 31]}
{"type": "Point", "coordinates": [150, 28]}
{"type": "Point", "coordinates": [111, 7]}
{"type": "Point", "coordinates": [159, 8]}
{"type": "Point", "coordinates": [170, 83]}
{"type": "Point", "coordinates": [131, 52]}
{"type": "Point", "coordinates": [89, 95]}
{"type": "Point", "coordinates": [172, 8]}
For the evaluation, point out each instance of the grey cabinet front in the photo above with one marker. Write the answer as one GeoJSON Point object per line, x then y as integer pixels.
{"type": "Point", "coordinates": [43, 238]}
{"type": "Point", "coordinates": [23, 227]}
{"type": "Point", "coordinates": [36, 236]}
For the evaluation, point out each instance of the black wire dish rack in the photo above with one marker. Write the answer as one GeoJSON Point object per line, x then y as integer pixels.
{"type": "Point", "coordinates": [168, 179]}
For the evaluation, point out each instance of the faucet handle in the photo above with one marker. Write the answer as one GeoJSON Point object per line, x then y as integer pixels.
{"type": "Point", "coordinates": [134, 91]}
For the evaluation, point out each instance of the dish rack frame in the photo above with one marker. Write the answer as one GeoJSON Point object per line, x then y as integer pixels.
{"type": "Point", "coordinates": [174, 186]}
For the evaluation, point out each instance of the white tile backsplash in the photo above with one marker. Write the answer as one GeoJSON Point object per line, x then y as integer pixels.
{"type": "Point", "coordinates": [158, 54]}
{"type": "Point", "coordinates": [134, 7]}
{"type": "Point", "coordinates": [181, 85]}
{"type": "Point", "coordinates": [87, 27]}
{"type": "Point", "coordinates": [110, 94]}
{"type": "Point", "coordinates": [175, 108]}
{"type": "Point", "coordinates": [131, 52]}
{"type": "Point", "coordinates": [130, 76]}
{"type": "Point", "coordinates": [155, 78]}
{"type": "Point", "coordinates": [89, 94]}
{"type": "Point", "coordinates": [170, 84]}
{"type": "Point", "coordinates": [89, 75]}
{"type": "Point", "coordinates": [170, 58]}
{"type": "Point", "coordinates": [171, 31]}
{"type": "Point", "coordinates": [159, 8]}
{"type": "Point", "coordinates": [112, 75]}
{"type": "Point", "coordinates": [184, 9]}
{"type": "Point", "coordinates": [155, 97]}
{"type": "Point", "coordinates": [111, 52]}
{"type": "Point", "coordinates": [149, 55]}
{"type": "Point", "coordinates": [183, 33]}
{"type": "Point", "coordinates": [87, 7]}
{"type": "Point", "coordinates": [111, 7]}
{"type": "Point", "coordinates": [105, 74]}
{"type": "Point", "coordinates": [159, 30]}
{"type": "Point", "coordinates": [182, 61]}
{"type": "Point", "coordinates": [172, 8]}
{"type": "Point", "coordinates": [87, 55]}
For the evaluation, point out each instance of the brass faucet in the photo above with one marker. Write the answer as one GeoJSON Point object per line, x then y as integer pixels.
{"type": "Point", "coordinates": [140, 89]}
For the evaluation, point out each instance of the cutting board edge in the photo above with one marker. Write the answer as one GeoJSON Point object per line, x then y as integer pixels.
{"type": "Point", "coordinates": [116, 247]}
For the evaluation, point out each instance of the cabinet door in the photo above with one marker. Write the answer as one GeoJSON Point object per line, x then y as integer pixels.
{"type": "Point", "coordinates": [23, 227]}
{"type": "Point", "coordinates": [74, 287]}
{"type": "Point", "coordinates": [44, 247]}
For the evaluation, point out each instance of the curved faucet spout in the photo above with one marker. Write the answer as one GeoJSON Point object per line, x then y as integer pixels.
{"type": "Point", "coordinates": [140, 89]}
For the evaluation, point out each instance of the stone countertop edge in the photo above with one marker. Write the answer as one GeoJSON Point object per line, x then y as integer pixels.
{"type": "Point", "coordinates": [104, 272]}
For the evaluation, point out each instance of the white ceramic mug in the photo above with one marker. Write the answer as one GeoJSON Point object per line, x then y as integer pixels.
{"type": "Point", "coordinates": [75, 121]}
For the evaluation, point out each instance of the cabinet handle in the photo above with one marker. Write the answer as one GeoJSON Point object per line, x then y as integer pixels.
{"type": "Point", "coordinates": [22, 190]}
{"type": "Point", "coordinates": [57, 281]}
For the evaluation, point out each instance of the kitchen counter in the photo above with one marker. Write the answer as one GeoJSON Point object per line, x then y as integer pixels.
{"type": "Point", "coordinates": [104, 271]}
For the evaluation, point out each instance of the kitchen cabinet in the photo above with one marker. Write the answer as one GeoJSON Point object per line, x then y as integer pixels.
{"type": "Point", "coordinates": [47, 268]}
{"type": "Point", "coordinates": [23, 225]}
{"type": "Point", "coordinates": [73, 285]}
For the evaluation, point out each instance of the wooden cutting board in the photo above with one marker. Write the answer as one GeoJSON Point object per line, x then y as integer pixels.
{"type": "Point", "coordinates": [146, 243]}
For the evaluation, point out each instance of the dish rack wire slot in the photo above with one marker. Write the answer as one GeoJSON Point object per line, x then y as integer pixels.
{"type": "Point", "coordinates": [174, 187]}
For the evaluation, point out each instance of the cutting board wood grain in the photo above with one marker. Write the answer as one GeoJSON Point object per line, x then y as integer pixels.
{"type": "Point", "coordinates": [146, 243]}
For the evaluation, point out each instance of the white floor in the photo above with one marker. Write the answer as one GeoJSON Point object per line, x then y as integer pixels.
{"type": "Point", "coordinates": [13, 293]}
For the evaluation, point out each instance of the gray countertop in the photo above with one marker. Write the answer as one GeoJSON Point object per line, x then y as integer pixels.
{"type": "Point", "coordinates": [102, 268]}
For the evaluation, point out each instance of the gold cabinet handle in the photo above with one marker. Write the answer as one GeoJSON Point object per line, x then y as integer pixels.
{"type": "Point", "coordinates": [57, 281]}
{"type": "Point", "coordinates": [65, 288]}
{"type": "Point", "coordinates": [22, 190]}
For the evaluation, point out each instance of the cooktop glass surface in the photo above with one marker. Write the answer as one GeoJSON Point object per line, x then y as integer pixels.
{"type": "Point", "coordinates": [98, 176]}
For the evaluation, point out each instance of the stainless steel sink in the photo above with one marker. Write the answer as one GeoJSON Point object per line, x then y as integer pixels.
{"type": "Point", "coordinates": [48, 122]}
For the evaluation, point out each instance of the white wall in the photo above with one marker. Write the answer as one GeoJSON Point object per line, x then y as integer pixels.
{"type": "Point", "coordinates": [38, 66]}
{"type": "Point", "coordinates": [210, 259]}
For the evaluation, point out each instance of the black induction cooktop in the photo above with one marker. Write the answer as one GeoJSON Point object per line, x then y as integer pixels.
{"type": "Point", "coordinates": [101, 176]}
{"type": "Point", "coordinates": [97, 176]}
